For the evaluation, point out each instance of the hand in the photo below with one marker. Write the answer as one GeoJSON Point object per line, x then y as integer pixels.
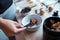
{"type": "Point", "coordinates": [10, 27]}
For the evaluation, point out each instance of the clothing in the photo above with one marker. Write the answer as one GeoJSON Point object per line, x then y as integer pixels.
{"type": "Point", "coordinates": [4, 5]}
{"type": "Point", "coordinates": [8, 14]}
{"type": "Point", "coordinates": [3, 36]}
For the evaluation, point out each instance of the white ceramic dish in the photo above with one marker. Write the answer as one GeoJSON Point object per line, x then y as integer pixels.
{"type": "Point", "coordinates": [26, 20]}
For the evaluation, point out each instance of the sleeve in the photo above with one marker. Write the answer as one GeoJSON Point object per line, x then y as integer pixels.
{"type": "Point", "coordinates": [4, 5]}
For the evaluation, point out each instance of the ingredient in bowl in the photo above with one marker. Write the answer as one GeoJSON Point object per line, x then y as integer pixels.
{"type": "Point", "coordinates": [52, 21]}
{"type": "Point", "coordinates": [50, 9]}
{"type": "Point", "coordinates": [42, 11]}
{"type": "Point", "coordinates": [33, 21]}
{"type": "Point", "coordinates": [26, 10]}
{"type": "Point", "coordinates": [55, 25]}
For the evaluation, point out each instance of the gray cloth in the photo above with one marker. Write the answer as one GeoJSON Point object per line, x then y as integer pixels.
{"type": "Point", "coordinates": [3, 36]}
{"type": "Point", "coordinates": [8, 14]}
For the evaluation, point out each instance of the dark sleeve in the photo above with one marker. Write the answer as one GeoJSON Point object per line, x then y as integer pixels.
{"type": "Point", "coordinates": [4, 5]}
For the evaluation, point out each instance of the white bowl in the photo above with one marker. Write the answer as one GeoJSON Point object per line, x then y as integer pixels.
{"type": "Point", "coordinates": [26, 20]}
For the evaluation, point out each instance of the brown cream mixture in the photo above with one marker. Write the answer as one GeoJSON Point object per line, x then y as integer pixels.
{"type": "Point", "coordinates": [55, 26]}
{"type": "Point", "coordinates": [33, 21]}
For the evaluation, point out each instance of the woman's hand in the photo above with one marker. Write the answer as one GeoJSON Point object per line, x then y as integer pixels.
{"type": "Point", "coordinates": [10, 27]}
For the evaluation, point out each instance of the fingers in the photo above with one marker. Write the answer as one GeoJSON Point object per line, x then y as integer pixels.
{"type": "Point", "coordinates": [18, 25]}
{"type": "Point", "coordinates": [16, 31]}
{"type": "Point", "coordinates": [21, 29]}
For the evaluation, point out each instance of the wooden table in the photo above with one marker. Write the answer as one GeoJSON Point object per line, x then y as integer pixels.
{"type": "Point", "coordinates": [38, 35]}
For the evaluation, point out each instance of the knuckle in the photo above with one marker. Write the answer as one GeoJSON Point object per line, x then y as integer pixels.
{"type": "Point", "coordinates": [15, 32]}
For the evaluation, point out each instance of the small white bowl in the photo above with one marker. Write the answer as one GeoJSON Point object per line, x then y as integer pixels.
{"type": "Point", "coordinates": [26, 20]}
